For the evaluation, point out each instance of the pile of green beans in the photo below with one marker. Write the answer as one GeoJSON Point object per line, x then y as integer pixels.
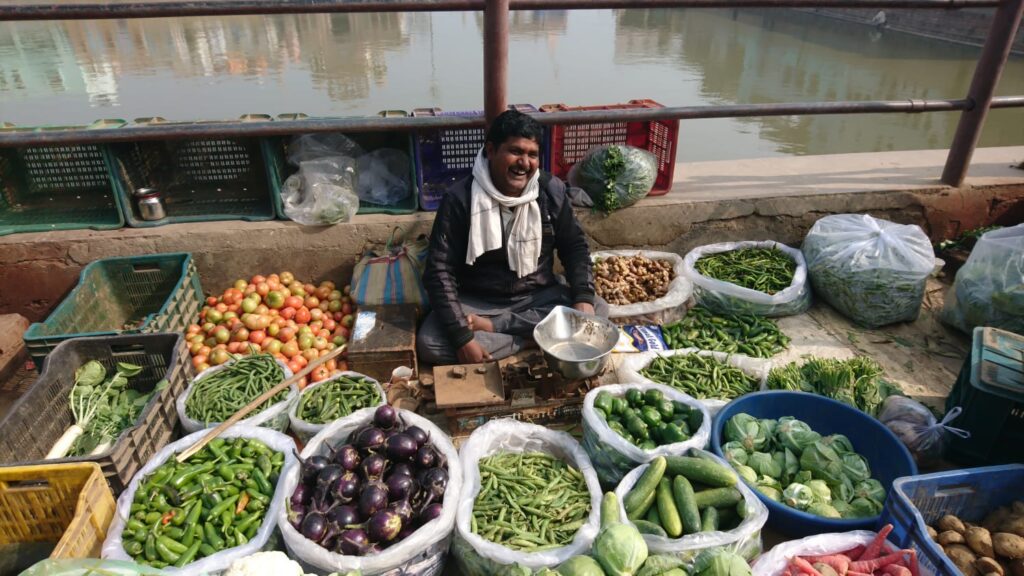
{"type": "Point", "coordinates": [529, 501]}
{"type": "Point", "coordinates": [767, 270]}
{"type": "Point", "coordinates": [700, 376]}
{"type": "Point", "coordinates": [733, 333]}
{"type": "Point", "coordinates": [215, 500]}
{"type": "Point", "coordinates": [337, 398]}
{"type": "Point", "coordinates": [218, 396]}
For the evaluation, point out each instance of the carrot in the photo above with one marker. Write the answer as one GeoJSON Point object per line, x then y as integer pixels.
{"type": "Point", "coordinates": [915, 569]}
{"type": "Point", "coordinates": [896, 570]}
{"type": "Point", "coordinates": [870, 566]}
{"type": "Point", "coordinates": [805, 566]}
{"type": "Point", "coordinates": [875, 548]}
{"type": "Point", "coordinates": [855, 552]}
{"type": "Point", "coordinates": [854, 573]}
{"type": "Point", "coordinates": [787, 572]}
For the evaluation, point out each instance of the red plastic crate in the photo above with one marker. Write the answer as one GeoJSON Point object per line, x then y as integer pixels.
{"type": "Point", "coordinates": [569, 143]}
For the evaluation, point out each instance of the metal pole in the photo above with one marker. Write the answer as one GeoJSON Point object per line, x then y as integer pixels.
{"type": "Point", "coordinates": [495, 58]}
{"type": "Point", "coordinates": [986, 76]}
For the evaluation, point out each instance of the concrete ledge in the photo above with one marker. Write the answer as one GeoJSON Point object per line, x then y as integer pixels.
{"type": "Point", "coordinates": [776, 198]}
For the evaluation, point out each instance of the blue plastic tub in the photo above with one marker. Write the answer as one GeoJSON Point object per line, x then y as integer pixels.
{"type": "Point", "coordinates": [886, 455]}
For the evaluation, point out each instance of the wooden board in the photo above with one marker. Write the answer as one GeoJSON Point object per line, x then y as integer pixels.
{"type": "Point", "coordinates": [468, 385]}
{"type": "Point", "coordinates": [383, 338]}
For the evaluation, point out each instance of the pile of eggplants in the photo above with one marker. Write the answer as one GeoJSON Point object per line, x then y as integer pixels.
{"type": "Point", "coordinates": [372, 490]}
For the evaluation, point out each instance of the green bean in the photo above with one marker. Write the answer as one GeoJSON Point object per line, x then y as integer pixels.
{"type": "Point", "coordinates": [746, 334]}
{"type": "Point", "coordinates": [767, 270]}
{"type": "Point", "coordinates": [700, 376]}
{"type": "Point", "coordinates": [337, 398]}
{"type": "Point", "coordinates": [218, 396]}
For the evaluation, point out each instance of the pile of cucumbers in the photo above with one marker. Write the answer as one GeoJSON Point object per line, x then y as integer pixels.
{"type": "Point", "coordinates": [647, 419]}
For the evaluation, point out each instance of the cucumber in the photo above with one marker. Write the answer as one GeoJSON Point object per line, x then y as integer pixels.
{"type": "Point", "coordinates": [701, 470]}
{"type": "Point", "coordinates": [741, 508]}
{"type": "Point", "coordinates": [644, 488]}
{"type": "Point", "coordinates": [609, 509]}
{"type": "Point", "coordinates": [670, 520]}
{"type": "Point", "coordinates": [645, 527]}
{"type": "Point", "coordinates": [652, 516]}
{"type": "Point", "coordinates": [727, 519]}
{"type": "Point", "coordinates": [644, 506]}
{"type": "Point", "coordinates": [709, 519]}
{"type": "Point", "coordinates": [686, 504]}
{"type": "Point", "coordinates": [718, 497]}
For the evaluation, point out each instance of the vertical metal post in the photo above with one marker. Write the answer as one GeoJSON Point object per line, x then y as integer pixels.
{"type": "Point", "coordinates": [986, 76]}
{"type": "Point", "coordinates": [495, 58]}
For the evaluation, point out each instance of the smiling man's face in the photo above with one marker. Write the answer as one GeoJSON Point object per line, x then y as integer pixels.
{"type": "Point", "coordinates": [513, 164]}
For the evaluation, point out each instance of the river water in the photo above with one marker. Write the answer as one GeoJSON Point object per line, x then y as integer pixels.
{"type": "Point", "coordinates": [346, 64]}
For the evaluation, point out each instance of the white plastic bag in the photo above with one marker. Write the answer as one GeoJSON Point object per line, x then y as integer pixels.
{"type": "Point", "coordinates": [479, 557]}
{"type": "Point", "coordinates": [421, 554]}
{"type": "Point", "coordinates": [384, 176]}
{"type": "Point", "coordinates": [728, 298]}
{"type": "Point", "coordinates": [744, 540]}
{"type": "Point", "coordinates": [872, 271]}
{"type": "Point", "coordinates": [322, 192]}
{"type": "Point", "coordinates": [275, 417]}
{"type": "Point", "coordinates": [774, 562]}
{"type": "Point", "coordinates": [89, 567]}
{"type": "Point", "coordinates": [915, 426]}
{"type": "Point", "coordinates": [306, 430]}
{"type": "Point", "coordinates": [989, 288]}
{"type": "Point", "coordinates": [113, 549]}
{"type": "Point", "coordinates": [612, 455]}
{"type": "Point", "coordinates": [665, 310]}
{"type": "Point", "coordinates": [629, 367]}
{"type": "Point", "coordinates": [314, 146]}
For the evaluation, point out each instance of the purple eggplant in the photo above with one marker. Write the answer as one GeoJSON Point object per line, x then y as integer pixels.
{"type": "Point", "coordinates": [302, 495]}
{"type": "Point", "coordinates": [328, 475]}
{"type": "Point", "coordinates": [373, 499]}
{"type": "Point", "coordinates": [352, 542]}
{"type": "Point", "coordinates": [407, 530]}
{"type": "Point", "coordinates": [346, 487]}
{"type": "Point", "coordinates": [434, 481]}
{"type": "Point", "coordinates": [430, 512]}
{"type": "Point", "coordinates": [344, 516]}
{"type": "Point", "coordinates": [404, 510]}
{"type": "Point", "coordinates": [425, 457]}
{"type": "Point", "coordinates": [400, 447]}
{"type": "Point", "coordinates": [296, 513]}
{"type": "Point", "coordinates": [311, 467]}
{"type": "Point", "coordinates": [418, 434]}
{"type": "Point", "coordinates": [347, 457]}
{"type": "Point", "coordinates": [383, 526]}
{"type": "Point", "coordinates": [385, 417]}
{"type": "Point", "coordinates": [370, 439]}
{"type": "Point", "coordinates": [400, 469]}
{"type": "Point", "coordinates": [400, 487]}
{"type": "Point", "coordinates": [373, 467]}
{"type": "Point", "coordinates": [314, 526]}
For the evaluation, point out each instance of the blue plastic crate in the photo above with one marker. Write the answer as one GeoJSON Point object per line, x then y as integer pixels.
{"type": "Point", "coordinates": [970, 494]}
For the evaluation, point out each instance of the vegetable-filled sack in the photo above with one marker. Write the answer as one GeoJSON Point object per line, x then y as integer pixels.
{"type": "Point", "coordinates": [612, 453]}
{"type": "Point", "coordinates": [89, 567]}
{"type": "Point", "coordinates": [667, 308]}
{"type": "Point", "coordinates": [237, 375]}
{"type": "Point", "coordinates": [322, 192]}
{"type": "Point", "coordinates": [335, 398]}
{"type": "Point", "coordinates": [419, 553]}
{"type": "Point", "coordinates": [694, 498]}
{"type": "Point", "coordinates": [915, 426]}
{"type": "Point", "coordinates": [775, 561]}
{"type": "Point", "coordinates": [615, 175]}
{"type": "Point", "coordinates": [392, 275]}
{"type": "Point", "coordinates": [872, 271]}
{"type": "Point", "coordinates": [989, 288]}
{"type": "Point", "coordinates": [262, 510]}
{"type": "Point", "coordinates": [782, 265]}
{"type": "Point", "coordinates": [512, 440]}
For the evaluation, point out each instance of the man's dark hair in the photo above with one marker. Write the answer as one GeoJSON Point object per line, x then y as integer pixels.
{"type": "Point", "coordinates": [514, 124]}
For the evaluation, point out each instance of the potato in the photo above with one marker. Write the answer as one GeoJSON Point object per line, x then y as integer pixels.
{"type": "Point", "coordinates": [987, 565]}
{"type": "Point", "coordinates": [980, 541]}
{"type": "Point", "coordinates": [1008, 545]}
{"type": "Point", "coordinates": [963, 558]}
{"type": "Point", "coordinates": [825, 569]}
{"type": "Point", "coordinates": [995, 519]}
{"type": "Point", "coordinates": [1013, 525]}
{"type": "Point", "coordinates": [1016, 567]}
{"type": "Point", "coordinates": [950, 537]}
{"type": "Point", "coordinates": [932, 533]}
{"type": "Point", "coordinates": [950, 522]}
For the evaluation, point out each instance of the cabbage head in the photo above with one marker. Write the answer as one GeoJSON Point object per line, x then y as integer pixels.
{"type": "Point", "coordinates": [580, 566]}
{"type": "Point", "coordinates": [795, 434]}
{"type": "Point", "coordinates": [515, 570]}
{"type": "Point", "coordinates": [855, 467]}
{"type": "Point", "coordinates": [770, 492]}
{"type": "Point", "coordinates": [791, 464]}
{"type": "Point", "coordinates": [864, 508]}
{"type": "Point", "coordinates": [764, 464]}
{"type": "Point", "coordinates": [822, 493]}
{"type": "Point", "coordinates": [822, 462]}
{"type": "Point", "coordinates": [802, 477]}
{"type": "Point", "coordinates": [842, 490]}
{"type": "Point", "coordinates": [843, 508]}
{"type": "Point", "coordinates": [769, 427]}
{"type": "Point", "coordinates": [746, 472]}
{"type": "Point", "coordinates": [823, 509]}
{"type": "Point", "coordinates": [769, 481]}
{"type": "Point", "coordinates": [720, 562]}
{"type": "Point", "coordinates": [841, 444]}
{"type": "Point", "coordinates": [620, 549]}
{"type": "Point", "coordinates": [798, 496]}
{"type": "Point", "coordinates": [871, 489]}
{"type": "Point", "coordinates": [746, 430]}
{"type": "Point", "coordinates": [735, 453]}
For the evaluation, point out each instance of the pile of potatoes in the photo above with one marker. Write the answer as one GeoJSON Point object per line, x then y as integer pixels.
{"type": "Point", "coordinates": [994, 548]}
{"type": "Point", "coordinates": [624, 280]}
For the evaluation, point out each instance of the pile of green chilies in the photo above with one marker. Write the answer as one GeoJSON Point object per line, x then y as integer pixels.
{"type": "Point", "coordinates": [733, 333]}
{"type": "Point", "coordinates": [218, 396]}
{"type": "Point", "coordinates": [700, 376]}
{"type": "Point", "coordinates": [337, 398]}
{"type": "Point", "coordinates": [529, 501]}
{"type": "Point", "coordinates": [767, 270]}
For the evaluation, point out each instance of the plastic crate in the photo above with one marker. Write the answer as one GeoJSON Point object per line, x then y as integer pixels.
{"type": "Point", "coordinates": [446, 156]}
{"type": "Point", "coordinates": [154, 293]}
{"type": "Point", "coordinates": [68, 504]}
{"type": "Point", "coordinates": [45, 188]}
{"type": "Point", "coordinates": [199, 180]}
{"type": "Point", "coordinates": [569, 143]}
{"type": "Point", "coordinates": [916, 501]}
{"type": "Point", "coordinates": [996, 423]}
{"type": "Point", "coordinates": [42, 414]}
{"type": "Point", "coordinates": [275, 153]}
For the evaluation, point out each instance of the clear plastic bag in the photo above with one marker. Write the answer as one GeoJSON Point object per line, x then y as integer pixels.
{"type": "Point", "coordinates": [665, 310]}
{"type": "Point", "coordinates": [89, 567]}
{"type": "Point", "coordinates": [215, 563]}
{"type": "Point", "coordinates": [614, 175]}
{"type": "Point", "coordinates": [479, 557]}
{"type": "Point", "coordinates": [989, 288]}
{"type": "Point", "coordinates": [612, 455]}
{"type": "Point", "coordinates": [384, 176]}
{"type": "Point", "coordinates": [774, 562]}
{"type": "Point", "coordinates": [915, 426]}
{"type": "Point", "coordinates": [728, 298]}
{"type": "Point", "coordinates": [306, 430]}
{"type": "Point", "coordinates": [275, 417]}
{"type": "Point", "coordinates": [872, 271]}
{"type": "Point", "coordinates": [306, 147]}
{"type": "Point", "coordinates": [322, 192]}
{"type": "Point", "coordinates": [744, 540]}
{"type": "Point", "coordinates": [421, 554]}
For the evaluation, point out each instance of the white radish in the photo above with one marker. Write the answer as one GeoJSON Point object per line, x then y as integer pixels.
{"type": "Point", "coordinates": [65, 442]}
{"type": "Point", "coordinates": [101, 448]}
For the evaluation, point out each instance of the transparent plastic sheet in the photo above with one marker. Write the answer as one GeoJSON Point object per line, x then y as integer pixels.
{"type": "Point", "coordinates": [322, 192]}
{"type": "Point", "coordinates": [665, 310]}
{"type": "Point", "coordinates": [915, 426]}
{"type": "Point", "coordinates": [728, 298]}
{"type": "Point", "coordinates": [479, 557]}
{"type": "Point", "coordinates": [744, 540]}
{"type": "Point", "coordinates": [630, 365]}
{"type": "Point", "coordinates": [631, 182]}
{"type": "Point", "coordinates": [774, 562]}
{"type": "Point", "coordinates": [112, 548]}
{"type": "Point", "coordinates": [306, 430]}
{"type": "Point", "coordinates": [872, 271]}
{"type": "Point", "coordinates": [421, 554]}
{"type": "Point", "coordinates": [989, 288]}
{"type": "Point", "coordinates": [612, 455]}
{"type": "Point", "coordinates": [306, 147]}
{"type": "Point", "coordinates": [384, 176]}
{"type": "Point", "coordinates": [275, 417]}
{"type": "Point", "coordinates": [89, 567]}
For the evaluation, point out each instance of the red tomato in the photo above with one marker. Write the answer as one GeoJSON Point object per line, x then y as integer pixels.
{"type": "Point", "coordinates": [197, 360]}
{"type": "Point", "coordinates": [286, 334]}
{"type": "Point", "coordinates": [221, 307]}
{"type": "Point", "coordinates": [343, 366]}
{"type": "Point", "coordinates": [257, 336]}
{"type": "Point", "coordinates": [323, 333]}
{"type": "Point", "coordinates": [302, 315]}
{"type": "Point", "coordinates": [337, 316]}
{"type": "Point", "coordinates": [323, 292]}
{"type": "Point", "coordinates": [348, 321]}
{"type": "Point", "coordinates": [294, 365]}
{"type": "Point", "coordinates": [287, 313]}
{"type": "Point", "coordinates": [319, 373]}
{"type": "Point", "coordinates": [274, 346]}
{"type": "Point", "coordinates": [263, 288]}
{"type": "Point", "coordinates": [290, 349]}
{"type": "Point", "coordinates": [346, 308]}
{"type": "Point", "coordinates": [293, 302]}
{"type": "Point", "coordinates": [258, 279]}
{"type": "Point", "coordinates": [312, 302]}
{"type": "Point", "coordinates": [329, 324]}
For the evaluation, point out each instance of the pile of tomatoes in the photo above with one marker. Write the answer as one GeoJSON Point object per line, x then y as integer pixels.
{"type": "Point", "coordinates": [278, 314]}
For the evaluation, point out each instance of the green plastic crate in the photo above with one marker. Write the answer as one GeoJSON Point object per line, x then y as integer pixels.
{"type": "Point", "coordinates": [200, 180]}
{"type": "Point", "coordinates": [154, 293]}
{"type": "Point", "coordinates": [45, 188]}
{"type": "Point", "coordinates": [274, 151]}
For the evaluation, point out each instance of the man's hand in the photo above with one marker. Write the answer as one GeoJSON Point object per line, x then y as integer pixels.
{"type": "Point", "coordinates": [584, 307]}
{"type": "Point", "coordinates": [472, 353]}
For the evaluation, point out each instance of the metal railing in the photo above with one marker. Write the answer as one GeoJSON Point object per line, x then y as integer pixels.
{"type": "Point", "coordinates": [974, 107]}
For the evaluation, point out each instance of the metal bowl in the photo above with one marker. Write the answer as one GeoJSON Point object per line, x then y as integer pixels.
{"type": "Point", "coordinates": [575, 344]}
